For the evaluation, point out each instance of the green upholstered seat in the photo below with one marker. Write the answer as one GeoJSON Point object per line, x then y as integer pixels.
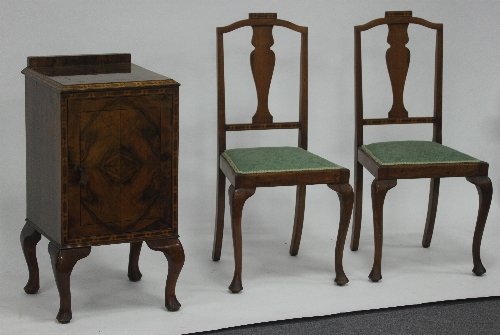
{"type": "Point", "coordinates": [415, 152]}
{"type": "Point", "coordinates": [275, 159]}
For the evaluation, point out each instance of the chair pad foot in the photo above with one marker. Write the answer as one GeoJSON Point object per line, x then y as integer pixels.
{"type": "Point", "coordinates": [341, 279]}
{"type": "Point", "coordinates": [172, 304]}
{"type": "Point", "coordinates": [479, 270]}
{"type": "Point", "coordinates": [31, 288]}
{"type": "Point", "coordinates": [236, 285]}
{"type": "Point", "coordinates": [134, 276]}
{"type": "Point", "coordinates": [64, 316]}
{"type": "Point", "coordinates": [375, 275]}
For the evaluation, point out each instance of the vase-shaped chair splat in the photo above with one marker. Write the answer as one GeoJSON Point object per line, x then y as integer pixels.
{"type": "Point", "coordinates": [398, 61]}
{"type": "Point", "coordinates": [262, 60]}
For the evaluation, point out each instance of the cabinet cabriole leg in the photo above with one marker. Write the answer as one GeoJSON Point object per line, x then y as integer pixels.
{"type": "Point", "coordinates": [63, 262]}
{"type": "Point", "coordinates": [173, 251]}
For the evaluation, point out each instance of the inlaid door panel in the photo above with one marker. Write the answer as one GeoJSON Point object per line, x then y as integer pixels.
{"type": "Point", "coordinates": [119, 157]}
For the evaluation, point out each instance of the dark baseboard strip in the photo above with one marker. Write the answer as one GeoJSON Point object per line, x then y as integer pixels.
{"type": "Point", "coordinates": [290, 322]}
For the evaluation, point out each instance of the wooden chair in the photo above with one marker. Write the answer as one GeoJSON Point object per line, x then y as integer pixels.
{"type": "Point", "coordinates": [389, 161]}
{"type": "Point", "coordinates": [249, 168]}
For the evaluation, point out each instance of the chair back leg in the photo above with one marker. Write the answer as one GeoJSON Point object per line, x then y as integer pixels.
{"type": "Point", "coordinates": [431, 212]}
{"type": "Point", "coordinates": [358, 206]}
{"type": "Point", "coordinates": [299, 219]}
{"type": "Point", "coordinates": [219, 215]}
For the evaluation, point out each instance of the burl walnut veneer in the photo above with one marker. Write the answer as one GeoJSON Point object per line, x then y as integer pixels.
{"type": "Point", "coordinates": [101, 165]}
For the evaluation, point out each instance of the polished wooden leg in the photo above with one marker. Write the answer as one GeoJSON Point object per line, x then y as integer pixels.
{"type": "Point", "coordinates": [379, 190]}
{"type": "Point", "coordinates": [29, 239]}
{"type": "Point", "coordinates": [485, 191]}
{"type": "Point", "coordinates": [237, 198]}
{"type": "Point", "coordinates": [358, 206]}
{"type": "Point", "coordinates": [134, 274]}
{"type": "Point", "coordinates": [431, 212]}
{"type": "Point", "coordinates": [300, 205]}
{"type": "Point", "coordinates": [219, 216]}
{"type": "Point", "coordinates": [63, 261]}
{"type": "Point", "coordinates": [346, 197]}
{"type": "Point", "coordinates": [173, 251]}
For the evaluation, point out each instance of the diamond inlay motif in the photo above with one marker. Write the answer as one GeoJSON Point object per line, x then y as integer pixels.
{"type": "Point", "coordinates": [121, 167]}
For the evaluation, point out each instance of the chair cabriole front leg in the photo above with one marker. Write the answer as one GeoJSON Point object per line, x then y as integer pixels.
{"type": "Point", "coordinates": [485, 191]}
{"type": "Point", "coordinates": [237, 198]}
{"type": "Point", "coordinates": [346, 197]}
{"type": "Point", "coordinates": [379, 190]}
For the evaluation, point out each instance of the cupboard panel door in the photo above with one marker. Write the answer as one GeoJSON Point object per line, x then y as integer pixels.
{"type": "Point", "coordinates": [120, 161]}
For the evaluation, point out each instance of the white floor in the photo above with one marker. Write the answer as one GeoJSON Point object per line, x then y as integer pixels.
{"type": "Point", "coordinates": [276, 285]}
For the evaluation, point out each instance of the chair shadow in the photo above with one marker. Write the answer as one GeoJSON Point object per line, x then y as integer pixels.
{"type": "Point", "coordinates": [493, 129]}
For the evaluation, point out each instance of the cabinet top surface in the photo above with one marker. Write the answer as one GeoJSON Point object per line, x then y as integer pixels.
{"type": "Point", "coordinates": [89, 72]}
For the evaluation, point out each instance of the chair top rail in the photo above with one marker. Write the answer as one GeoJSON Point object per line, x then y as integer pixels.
{"type": "Point", "coordinates": [398, 17]}
{"type": "Point", "coordinates": [261, 19]}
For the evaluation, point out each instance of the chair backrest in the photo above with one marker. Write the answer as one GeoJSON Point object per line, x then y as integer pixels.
{"type": "Point", "coordinates": [262, 60]}
{"type": "Point", "coordinates": [398, 61]}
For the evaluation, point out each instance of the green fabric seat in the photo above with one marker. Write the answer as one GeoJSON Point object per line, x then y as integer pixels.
{"type": "Point", "coordinates": [415, 152]}
{"type": "Point", "coordinates": [275, 159]}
